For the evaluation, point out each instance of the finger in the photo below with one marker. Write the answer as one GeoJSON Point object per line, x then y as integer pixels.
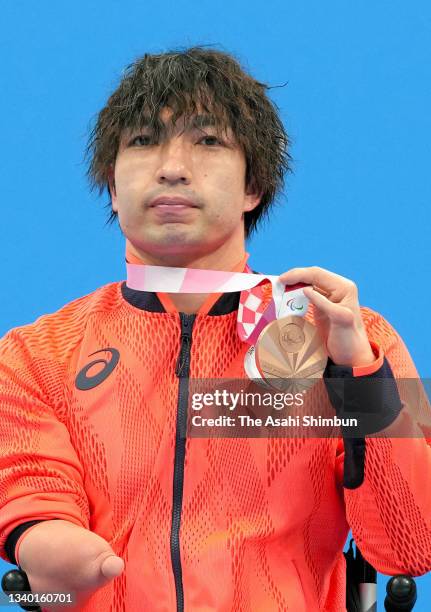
{"type": "Point", "coordinates": [112, 566]}
{"type": "Point", "coordinates": [333, 284]}
{"type": "Point", "coordinates": [339, 315]}
{"type": "Point", "coordinates": [321, 291]}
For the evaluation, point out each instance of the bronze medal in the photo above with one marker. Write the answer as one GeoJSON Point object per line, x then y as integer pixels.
{"type": "Point", "coordinates": [290, 350]}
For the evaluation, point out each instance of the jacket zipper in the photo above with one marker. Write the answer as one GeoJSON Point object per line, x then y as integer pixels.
{"type": "Point", "coordinates": [182, 370]}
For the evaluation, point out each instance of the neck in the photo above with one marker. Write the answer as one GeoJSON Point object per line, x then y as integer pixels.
{"type": "Point", "coordinates": [220, 259]}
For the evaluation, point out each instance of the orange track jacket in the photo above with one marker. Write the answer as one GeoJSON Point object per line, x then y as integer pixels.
{"type": "Point", "coordinates": [233, 525]}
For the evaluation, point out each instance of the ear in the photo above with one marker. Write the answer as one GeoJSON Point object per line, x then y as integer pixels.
{"type": "Point", "coordinates": [112, 189]}
{"type": "Point", "coordinates": [252, 197]}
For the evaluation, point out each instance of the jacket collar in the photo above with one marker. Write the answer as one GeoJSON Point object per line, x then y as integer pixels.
{"type": "Point", "coordinates": [147, 300]}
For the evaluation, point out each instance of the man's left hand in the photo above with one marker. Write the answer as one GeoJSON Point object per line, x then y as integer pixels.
{"type": "Point", "coordinates": [337, 316]}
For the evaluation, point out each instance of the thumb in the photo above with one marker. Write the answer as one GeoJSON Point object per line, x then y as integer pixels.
{"type": "Point", "coordinates": [111, 566]}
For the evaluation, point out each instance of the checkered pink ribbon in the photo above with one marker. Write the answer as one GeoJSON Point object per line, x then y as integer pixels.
{"type": "Point", "coordinates": [263, 297]}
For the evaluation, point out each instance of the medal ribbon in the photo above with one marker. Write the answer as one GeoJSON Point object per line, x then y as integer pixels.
{"type": "Point", "coordinates": [257, 307]}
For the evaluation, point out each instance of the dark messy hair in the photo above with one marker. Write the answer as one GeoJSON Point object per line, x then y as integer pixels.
{"type": "Point", "coordinates": [184, 80]}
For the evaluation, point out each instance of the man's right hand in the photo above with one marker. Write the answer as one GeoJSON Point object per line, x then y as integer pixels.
{"type": "Point", "coordinates": [59, 556]}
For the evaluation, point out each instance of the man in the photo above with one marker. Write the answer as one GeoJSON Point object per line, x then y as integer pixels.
{"type": "Point", "coordinates": [100, 494]}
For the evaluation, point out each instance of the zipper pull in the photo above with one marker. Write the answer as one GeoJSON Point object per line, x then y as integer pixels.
{"type": "Point", "coordinates": [185, 345]}
{"type": "Point", "coordinates": [181, 361]}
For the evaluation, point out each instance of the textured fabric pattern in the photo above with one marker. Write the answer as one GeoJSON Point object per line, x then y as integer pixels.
{"type": "Point", "coordinates": [264, 521]}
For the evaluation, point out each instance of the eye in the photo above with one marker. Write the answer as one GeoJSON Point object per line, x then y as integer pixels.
{"type": "Point", "coordinates": [211, 140]}
{"type": "Point", "coordinates": [143, 140]}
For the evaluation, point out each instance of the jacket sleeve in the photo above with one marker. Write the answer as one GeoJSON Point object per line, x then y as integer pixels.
{"type": "Point", "coordinates": [389, 507]}
{"type": "Point", "coordinates": [41, 477]}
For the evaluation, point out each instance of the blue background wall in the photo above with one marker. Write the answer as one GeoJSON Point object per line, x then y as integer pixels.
{"type": "Point", "coordinates": [356, 106]}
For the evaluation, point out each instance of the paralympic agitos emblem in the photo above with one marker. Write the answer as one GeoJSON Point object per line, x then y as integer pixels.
{"type": "Point", "coordinates": [84, 382]}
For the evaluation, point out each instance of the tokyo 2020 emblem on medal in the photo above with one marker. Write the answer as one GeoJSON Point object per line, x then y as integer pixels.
{"type": "Point", "coordinates": [290, 348]}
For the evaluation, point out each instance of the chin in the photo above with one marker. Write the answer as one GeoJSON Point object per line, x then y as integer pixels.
{"type": "Point", "coordinates": [180, 236]}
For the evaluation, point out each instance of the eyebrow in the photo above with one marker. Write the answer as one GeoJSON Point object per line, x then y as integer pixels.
{"type": "Point", "coordinates": [204, 120]}
{"type": "Point", "coordinates": [198, 121]}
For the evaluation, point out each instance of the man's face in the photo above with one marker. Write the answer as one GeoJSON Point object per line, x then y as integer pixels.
{"type": "Point", "coordinates": [190, 162]}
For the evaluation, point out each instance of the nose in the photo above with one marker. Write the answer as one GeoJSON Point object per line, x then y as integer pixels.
{"type": "Point", "coordinates": [174, 164]}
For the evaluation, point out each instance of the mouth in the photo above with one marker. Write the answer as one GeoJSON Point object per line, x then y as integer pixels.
{"type": "Point", "coordinates": [172, 203]}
